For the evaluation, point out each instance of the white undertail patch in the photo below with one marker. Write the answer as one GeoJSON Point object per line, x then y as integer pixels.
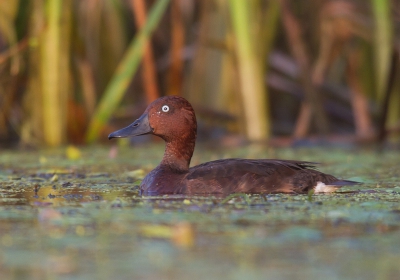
{"type": "Point", "coordinates": [322, 188]}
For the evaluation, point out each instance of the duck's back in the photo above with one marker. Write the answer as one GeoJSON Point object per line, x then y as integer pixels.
{"type": "Point", "coordinates": [254, 176]}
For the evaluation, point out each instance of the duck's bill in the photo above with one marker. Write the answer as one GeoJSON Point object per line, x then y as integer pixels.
{"type": "Point", "coordinates": [139, 127]}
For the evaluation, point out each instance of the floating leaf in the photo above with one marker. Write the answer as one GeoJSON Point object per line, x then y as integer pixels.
{"type": "Point", "coordinates": [73, 153]}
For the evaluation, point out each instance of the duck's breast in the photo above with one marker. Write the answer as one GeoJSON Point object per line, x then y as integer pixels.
{"type": "Point", "coordinates": [161, 181]}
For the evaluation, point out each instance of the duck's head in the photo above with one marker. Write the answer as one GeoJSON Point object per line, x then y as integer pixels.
{"type": "Point", "coordinates": [171, 118]}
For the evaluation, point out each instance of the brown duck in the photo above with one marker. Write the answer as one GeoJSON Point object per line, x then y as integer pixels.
{"type": "Point", "coordinates": [173, 119]}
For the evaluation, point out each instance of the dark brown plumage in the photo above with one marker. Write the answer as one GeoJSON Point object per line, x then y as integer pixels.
{"type": "Point", "coordinates": [172, 118]}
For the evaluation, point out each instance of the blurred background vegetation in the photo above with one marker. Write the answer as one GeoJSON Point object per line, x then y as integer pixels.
{"type": "Point", "coordinates": [72, 71]}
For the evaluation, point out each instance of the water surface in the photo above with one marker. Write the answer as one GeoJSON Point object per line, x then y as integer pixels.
{"type": "Point", "coordinates": [82, 218]}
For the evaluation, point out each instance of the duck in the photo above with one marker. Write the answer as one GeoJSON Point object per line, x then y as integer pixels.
{"type": "Point", "coordinates": [173, 119]}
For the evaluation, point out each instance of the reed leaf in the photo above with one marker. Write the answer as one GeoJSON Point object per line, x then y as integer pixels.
{"type": "Point", "coordinates": [116, 88]}
{"type": "Point", "coordinates": [383, 44]}
{"type": "Point", "coordinates": [251, 78]}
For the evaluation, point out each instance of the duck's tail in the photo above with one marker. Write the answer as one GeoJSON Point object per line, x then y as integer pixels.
{"type": "Point", "coordinates": [331, 187]}
{"type": "Point", "coordinates": [341, 183]}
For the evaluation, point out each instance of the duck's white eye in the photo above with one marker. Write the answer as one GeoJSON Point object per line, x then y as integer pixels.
{"type": "Point", "coordinates": [165, 108]}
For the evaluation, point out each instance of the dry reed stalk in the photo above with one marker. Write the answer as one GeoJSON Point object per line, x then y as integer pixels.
{"type": "Point", "coordinates": [359, 100]}
{"type": "Point", "coordinates": [149, 70]}
{"type": "Point", "coordinates": [175, 75]}
{"type": "Point", "coordinates": [298, 49]}
{"type": "Point", "coordinates": [86, 77]}
{"type": "Point", "coordinates": [54, 73]}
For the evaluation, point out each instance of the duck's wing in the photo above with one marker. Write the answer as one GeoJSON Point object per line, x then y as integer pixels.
{"type": "Point", "coordinates": [256, 176]}
{"type": "Point", "coordinates": [264, 167]}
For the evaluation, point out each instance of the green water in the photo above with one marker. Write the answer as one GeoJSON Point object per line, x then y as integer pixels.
{"type": "Point", "coordinates": [82, 219]}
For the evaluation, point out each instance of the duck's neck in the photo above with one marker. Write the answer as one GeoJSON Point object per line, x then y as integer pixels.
{"type": "Point", "coordinates": [178, 154]}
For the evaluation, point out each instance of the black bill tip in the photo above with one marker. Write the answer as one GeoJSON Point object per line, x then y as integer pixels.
{"type": "Point", "coordinates": [139, 127]}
